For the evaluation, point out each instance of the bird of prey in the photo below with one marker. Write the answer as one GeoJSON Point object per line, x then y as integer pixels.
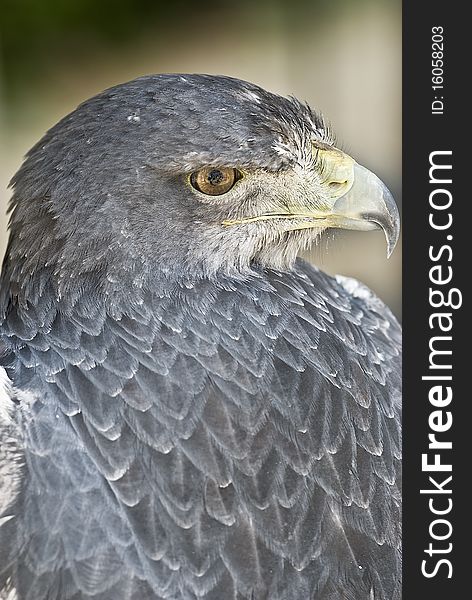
{"type": "Point", "coordinates": [188, 411]}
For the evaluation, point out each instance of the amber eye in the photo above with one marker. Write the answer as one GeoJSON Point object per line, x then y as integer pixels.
{"type": "Point", "coordinates": [214, 180]}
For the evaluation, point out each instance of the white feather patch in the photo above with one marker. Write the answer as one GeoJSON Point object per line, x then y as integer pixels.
{"type": "Point", "coordinates": [11, 459]}
{"type": "Point", "coordinates": [359, 290]}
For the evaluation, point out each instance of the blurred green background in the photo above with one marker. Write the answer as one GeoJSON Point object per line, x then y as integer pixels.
{"type": "Point", "coordinates": [342, 56]}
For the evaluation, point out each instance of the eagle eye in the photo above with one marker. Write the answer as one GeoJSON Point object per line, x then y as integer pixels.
{"type": "Point", "coordinates": [214, 181]}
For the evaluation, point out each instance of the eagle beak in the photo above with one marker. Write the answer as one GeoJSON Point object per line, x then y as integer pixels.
{"type": "Point", "coordinates": [367, 205]}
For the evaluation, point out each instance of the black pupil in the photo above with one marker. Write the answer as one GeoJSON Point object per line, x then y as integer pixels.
{"type": "Point", "coordinates": [215, 177]}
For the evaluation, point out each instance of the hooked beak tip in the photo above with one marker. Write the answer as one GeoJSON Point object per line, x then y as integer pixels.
{"type": "Point", "coordinates": [389, 220]}
{"type": "Point", "coordinates": [390, 225]}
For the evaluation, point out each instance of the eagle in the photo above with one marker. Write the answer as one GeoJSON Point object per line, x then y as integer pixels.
{"type": "Point", "coordinates": [188, 410]}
